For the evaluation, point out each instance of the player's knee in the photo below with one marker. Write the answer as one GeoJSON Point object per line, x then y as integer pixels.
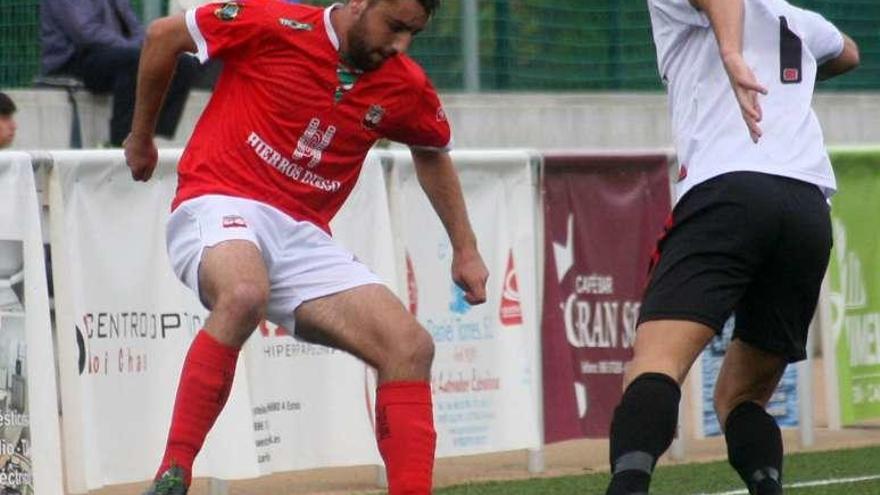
{"type": "Point", "coordinates": [423, 348]}
{"type": "Point", "coordinates": [722, 409]}
{"type": "Point", "coordinates": [726, 399]}
{"type": "Point", "coordinates": [244, 302]}
{"type": "Point", "coordinates": [640, 366]}
{"type": "Point", "coordinates": [417, 348]}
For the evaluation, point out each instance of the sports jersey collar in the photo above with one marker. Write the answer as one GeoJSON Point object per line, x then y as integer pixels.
{"type": "Point", "coordinates": [331, 33]}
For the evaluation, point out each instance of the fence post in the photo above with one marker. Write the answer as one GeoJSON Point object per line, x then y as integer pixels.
{"type": "Point", "coordinates": [537, 460]}
{"type": "Point", "coordinates": [502, 44]}
{"type": "Point", "coordinates": [470, 45]}
{"type": "Point", "coordinates": [615, 38]}
{"type": "Point", "coordinates": [152, 10]}
{"type": "Point", "coordinates": [218, 487]}
{"type": "Point", "coordinates": [806, 422]}
{"type": "Point", "coordinates": [829, 358]}
{"type": "Point", "coordinates": [381, 477]}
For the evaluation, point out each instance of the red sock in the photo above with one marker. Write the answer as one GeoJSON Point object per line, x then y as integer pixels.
{"type": "Point", "coordinates": [405, 432]}
{"type": "Point", "coordinates": [205, 382]}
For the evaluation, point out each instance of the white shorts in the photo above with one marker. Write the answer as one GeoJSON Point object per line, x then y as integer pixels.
{"type": "Point", "coordinates": [303, 261]}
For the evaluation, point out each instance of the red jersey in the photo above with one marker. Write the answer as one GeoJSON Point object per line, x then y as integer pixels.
{"type": "Point", "coordinates": [288, 125]}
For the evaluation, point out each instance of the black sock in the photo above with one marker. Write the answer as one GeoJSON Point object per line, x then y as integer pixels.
{"type": "Point", "coordinates": [754, 448]}
{"type": "Point", "coordinates": [643, 427]}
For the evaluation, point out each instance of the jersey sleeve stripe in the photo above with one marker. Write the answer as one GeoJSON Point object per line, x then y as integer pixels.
{"type": "Point", "coordinates": [194, 31]}
{"type": "Point", "coordinates": [449, 146]}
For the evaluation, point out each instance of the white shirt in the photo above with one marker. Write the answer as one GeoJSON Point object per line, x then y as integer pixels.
{"type": "Point", "coordinates": [711, 137]}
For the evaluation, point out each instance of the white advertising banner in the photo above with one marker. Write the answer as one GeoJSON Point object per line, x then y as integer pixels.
{"type": "Point", "coordinates": [30, 442]}
{"type": "Point", "coordinates": [484, 374]}
{"type": "Point", "coordinates": [125, 323]}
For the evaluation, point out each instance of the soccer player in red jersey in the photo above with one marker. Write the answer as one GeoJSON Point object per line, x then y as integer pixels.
{"type": "Point", "coordinates": [304, 94]}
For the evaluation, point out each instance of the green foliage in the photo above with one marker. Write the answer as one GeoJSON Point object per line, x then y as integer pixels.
{"type": "Point", "coordinates": [524, 45]}
{"type": "Point", "coordinates": [19, 42]}
{"type": "Point", "coordinates": [860, 19]}
{"type": "Point", "coordinates": [578, 45]}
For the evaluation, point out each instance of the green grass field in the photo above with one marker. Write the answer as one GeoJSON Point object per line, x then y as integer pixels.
{"type": "Point", "coordinates": [710, 478]}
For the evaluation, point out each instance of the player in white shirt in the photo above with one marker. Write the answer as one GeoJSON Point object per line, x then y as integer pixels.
{"type": "Point", "coordinates": [750, 233]}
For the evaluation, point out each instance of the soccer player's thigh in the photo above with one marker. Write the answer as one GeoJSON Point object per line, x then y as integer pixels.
{"type": "Point", "coordinates": [231, 266]}
{"type": "Point", "coordinates": [212, 246]}
{"type": "Point", "coordinates": [766, 337]}
{"type": "Point", "coordinates": [705, 262]}
{"type": "Point", "coordinates": [774, 315]}
{"type": "Point", "coordinates": [371, 323]}
{"type": "Point", "coordinates": [667, 346]}
{"type": "Point", "coordinates": [234, 285]}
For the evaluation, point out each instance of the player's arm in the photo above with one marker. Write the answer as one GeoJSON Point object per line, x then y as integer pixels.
{"type": "Point", "coordinates": [848, 60]}
{"type": "Point", "coordinates": [167, 38]}
{"type": "Point", "coordinates": [439, 180]}
{"type": "Point", "coordinates": [727, 17]}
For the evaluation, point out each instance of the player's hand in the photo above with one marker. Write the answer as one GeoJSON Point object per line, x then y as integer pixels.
{"type": "Point", "coordinates": [141, 156]}
{"type": "Point", "coordinates": [470, 274]}
{"type": "Point", "coordinates": [746, 88]}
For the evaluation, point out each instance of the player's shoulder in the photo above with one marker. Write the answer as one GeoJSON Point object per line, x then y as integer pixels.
{"type": "Point", "coordinates": [296, 8]}
{"type": "Point", "coordinates": [270, 10]}
{"type": "Point", "coordinates": [300, 12]}
{"type": "Point", "coordinates": [281, 19]}
{"type": "Point", "coordinates": [230, 10]}
{"type": "Point", "coordinates": [403, 70]}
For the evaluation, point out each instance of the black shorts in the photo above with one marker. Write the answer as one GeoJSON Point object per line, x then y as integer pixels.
{"type": "Point", "coordinates": [752, 244]}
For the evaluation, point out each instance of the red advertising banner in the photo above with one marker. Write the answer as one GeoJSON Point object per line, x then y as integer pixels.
{"type": "Point", "coordinates": [603, 216]}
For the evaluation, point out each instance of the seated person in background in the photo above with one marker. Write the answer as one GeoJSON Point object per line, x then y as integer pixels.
{"type": "Point", "coordinates": [99, 42]}
{"type": "Point", "coordinates": [7, 122]}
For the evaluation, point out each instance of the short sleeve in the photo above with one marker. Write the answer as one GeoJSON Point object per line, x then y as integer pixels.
{"type": "Point", "coordinates": [680, 12]}
{"type": "Point", "coordinates": [425, 125]}
{"type": "Point", "coordinates": [223, 28]}
{"type": "Point", "coordinates": [822, 38]}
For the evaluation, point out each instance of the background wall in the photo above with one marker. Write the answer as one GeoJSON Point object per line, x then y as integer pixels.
{"type": "Point", "coordinates": [538, 120]}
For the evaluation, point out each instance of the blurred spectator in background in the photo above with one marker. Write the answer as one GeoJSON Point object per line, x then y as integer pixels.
{"type": "Point", "coordinates": [7, 122]}
{"type": "Point", "coordinates": [99, 42]}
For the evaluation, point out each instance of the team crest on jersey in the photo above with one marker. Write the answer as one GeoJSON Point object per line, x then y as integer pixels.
{"type": "Point", "coordinates": [228, 11]}
{"type": "Point", "coordinates": [294, 24]}
{"type": "Point", "coordinates": [374, 116]}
